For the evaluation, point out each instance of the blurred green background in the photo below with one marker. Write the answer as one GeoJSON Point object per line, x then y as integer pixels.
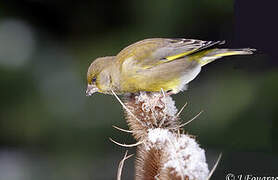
{"type": "Point", "coordinates": [49, 129]}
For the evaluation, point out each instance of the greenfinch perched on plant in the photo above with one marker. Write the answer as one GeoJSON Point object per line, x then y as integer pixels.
{"type": "Point", "coordinates": [153, 65]}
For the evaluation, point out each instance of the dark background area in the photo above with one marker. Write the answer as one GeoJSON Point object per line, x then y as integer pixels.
{"type": "Point", "coordinates": [49, 129]}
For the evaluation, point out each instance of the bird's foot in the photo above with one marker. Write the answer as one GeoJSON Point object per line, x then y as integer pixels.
{"type": "Point", "coordinates": [169, 93]}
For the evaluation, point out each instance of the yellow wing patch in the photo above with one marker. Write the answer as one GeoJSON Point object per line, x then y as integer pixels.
{"type": "Point", "coordinates": [228, 53]}
{"type": "Point", "coordinates": [170, 58]}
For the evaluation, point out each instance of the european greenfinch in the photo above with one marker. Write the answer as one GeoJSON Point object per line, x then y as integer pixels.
{"type": "Point", "coordinates": [153, 65]}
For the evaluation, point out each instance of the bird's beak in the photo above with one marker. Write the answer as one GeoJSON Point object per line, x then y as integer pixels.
{"type": "Point", "coordinates": [91, 89]}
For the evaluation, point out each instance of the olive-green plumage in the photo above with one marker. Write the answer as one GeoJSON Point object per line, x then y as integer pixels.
{"type": "Point", "coordinates": [154, 64]}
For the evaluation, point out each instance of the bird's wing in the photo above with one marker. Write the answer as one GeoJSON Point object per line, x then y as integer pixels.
{"type": "Point", "coordinates": [148, 53]}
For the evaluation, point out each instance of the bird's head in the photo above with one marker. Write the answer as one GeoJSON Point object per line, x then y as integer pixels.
{"type": "Point", "coordinates": [95, 75]}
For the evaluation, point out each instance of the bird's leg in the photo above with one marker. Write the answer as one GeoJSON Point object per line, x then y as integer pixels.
{"type": "Point", "coordinates": [169, 93]}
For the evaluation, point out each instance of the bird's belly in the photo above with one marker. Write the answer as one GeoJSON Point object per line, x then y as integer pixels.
{"type": "Point", "coordinates": [164, 77]}
{"type": "Point", "coordinates": [149, 84]}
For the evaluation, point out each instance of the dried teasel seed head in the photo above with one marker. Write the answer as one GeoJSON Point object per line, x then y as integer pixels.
{"type": "Point", "coordinates": [150, 110]}
{"type": "Point", "coordinates": [167, 155]}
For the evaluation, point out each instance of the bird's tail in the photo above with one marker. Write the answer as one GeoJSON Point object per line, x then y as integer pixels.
{"type": "Point", "coordinates": [207, 56]}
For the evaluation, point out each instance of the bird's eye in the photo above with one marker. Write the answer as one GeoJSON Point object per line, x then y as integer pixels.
{"type": "Point", "coordinates": [94, 80]}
